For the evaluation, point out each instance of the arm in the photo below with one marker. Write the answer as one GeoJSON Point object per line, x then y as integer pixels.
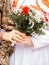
{"type": "Point", "coordinates": [41, 41]}
{"type": "Point", "coordinates": [37, 41]}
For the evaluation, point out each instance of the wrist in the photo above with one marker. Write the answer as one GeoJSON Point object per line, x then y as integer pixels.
{"type": "Point", "coordinates": [31, 42]}
{"type": "Point", "coordinates": [2, 35]}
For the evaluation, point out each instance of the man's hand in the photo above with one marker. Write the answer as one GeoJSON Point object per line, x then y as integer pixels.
{"type": "Point", "coordinates": [13, 36]}
{"type": "Point", "coordinates": [16, 36]}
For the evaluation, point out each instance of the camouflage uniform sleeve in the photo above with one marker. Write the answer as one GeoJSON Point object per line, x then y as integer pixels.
{"type": "Point", "coordinates": [1, 32]}
{"type": "Point", "coordinates": [3, 51]}
{"type": "Point", "coordinates": [3, 58]}
{"type": "Point", "coordinates": [5, 24]}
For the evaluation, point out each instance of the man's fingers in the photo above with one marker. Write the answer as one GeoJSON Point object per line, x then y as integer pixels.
{"type": "Point", "coordinates": [17, 40]}
{"type": "Point", "coordinates": [11, 40]}
{"type": "Point", "coordinates": [21, 34]}
{"type": "Point", "coordinates": [18, 36]}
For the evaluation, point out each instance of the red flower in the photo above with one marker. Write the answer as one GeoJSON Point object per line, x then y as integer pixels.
{"type": "Point", "coordinates": [46, 19]}
{"type": "Point", "coordinates": [25, 10]}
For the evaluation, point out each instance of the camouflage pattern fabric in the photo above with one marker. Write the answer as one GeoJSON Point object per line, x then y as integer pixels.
{"type": "Point", "coordinates": [8, 25]}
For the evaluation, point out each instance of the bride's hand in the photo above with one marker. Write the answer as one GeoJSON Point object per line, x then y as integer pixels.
{"type": "Point", "coordinates": [28, 41]}
{"type": "Point", "coordinates": [13, 36]}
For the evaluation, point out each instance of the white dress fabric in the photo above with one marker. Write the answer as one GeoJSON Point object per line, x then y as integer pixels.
{"type": "Point", "coordinates": [37, 55]}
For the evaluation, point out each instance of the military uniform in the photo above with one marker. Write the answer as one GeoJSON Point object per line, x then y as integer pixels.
{"type": "Point", "coordinates": [7, 25]}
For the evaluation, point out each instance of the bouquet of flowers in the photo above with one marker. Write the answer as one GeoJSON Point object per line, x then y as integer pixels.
{"type": "Point", "coordinates": [27, 22]}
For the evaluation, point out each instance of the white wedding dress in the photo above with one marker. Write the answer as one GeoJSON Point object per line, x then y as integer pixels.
{"type": "Point", "coordinates": [37, 55]}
